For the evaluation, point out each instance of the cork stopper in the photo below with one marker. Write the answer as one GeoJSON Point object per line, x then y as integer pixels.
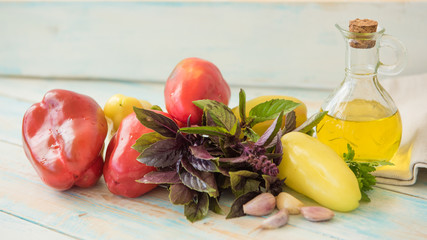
{"type": "Point", "coordinates": [362, 26]}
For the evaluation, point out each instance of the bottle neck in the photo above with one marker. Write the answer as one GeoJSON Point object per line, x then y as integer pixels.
{"type": "Point", "coordinates": [362, 61]}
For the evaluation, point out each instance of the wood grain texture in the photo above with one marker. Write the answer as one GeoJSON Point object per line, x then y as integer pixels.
{"type": "Point", "coordinates": [89, 213]}
{"type": "Point", "coordinates": [13, 227]}
{"type": "Point", "coordinates": [31, 91]}
{"type": "Point", "coordinates": [95, 213]}
{"type": "Point", "coordinates": [253, 43]}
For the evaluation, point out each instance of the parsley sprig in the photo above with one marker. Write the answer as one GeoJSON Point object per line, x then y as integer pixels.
{"type": "Point", "coordinates": [362, 171]}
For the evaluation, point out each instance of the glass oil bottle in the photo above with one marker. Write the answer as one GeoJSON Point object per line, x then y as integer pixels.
{"type": "Point", "coordinates": [360, 112]}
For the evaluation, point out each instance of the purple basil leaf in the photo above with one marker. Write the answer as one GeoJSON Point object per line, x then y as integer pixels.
{"type": "Point", "coordinates": [268, 180]}
{"type": "Point", "coordinates": [197, 180]}
{"type": "Point", "coordinates": [167, 177]}
{"type": "Point", "coordinates": [179, 194]}
{"type": "Point", "coordinates": [161, 154]}
{"type": "Point", "coordinates": [278, 150]}
{"type": "Point", "coordinates": [180, 138]}
{"type": "Point", "coordinates": [201, 152]}
{"type": "Point", "coordinates": [290, 122]}
{"type": "Point", "coordinates": [276, 138]}
{"type": "Point", "coordinates": [271, 131]}
{"type": "Point", "coordinates": [224, 172]}
{"type": "Point", "coordinates": [237, 206]}
{"type": "Point", "coordinates": [189, 121]}
{"type": "Point", "coordinates": [203, 165]}
{"type": "Point", "coordinates": [238, 159]}
{"type": "Point", "coordinates": [198, 209]}
{"type": "Point", "coordinates": [159, 123]}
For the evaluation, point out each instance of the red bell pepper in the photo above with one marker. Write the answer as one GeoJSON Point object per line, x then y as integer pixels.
{"type": "Point", "coordinates": [194, 79]}
{"type": "Point", "coordinates": [63, 138]}
{"type": "Point", "coordinates": [121, 169]}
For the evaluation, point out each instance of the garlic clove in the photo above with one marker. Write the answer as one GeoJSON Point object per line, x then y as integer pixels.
{"type": "Point", "coordinates": [317, 214]}
{"type": "Point", "coordinates": [276, 221]}
{"type": "Point", "coordinates": [261, 205]}
{"type": "Point", "coordinates": [290, 203]}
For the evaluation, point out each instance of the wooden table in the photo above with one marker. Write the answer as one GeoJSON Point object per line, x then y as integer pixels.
{"type": "Point", "coordinates": [30, 209]}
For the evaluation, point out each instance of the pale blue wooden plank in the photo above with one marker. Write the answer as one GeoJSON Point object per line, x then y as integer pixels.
{"type": "Point", "coordinates": [12, 227]}
{"type": "Point", "coordinates": [88, 213]}
{"type": "Point", "coordinates": [17, 95]}
{"type": "Point", "coordinates": [262, 44]}
{"type": "Point", "coordinates": [11, 119]}
{"type": "Point", "coordinates": [96, 213]}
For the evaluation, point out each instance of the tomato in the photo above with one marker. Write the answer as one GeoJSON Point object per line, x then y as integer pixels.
{"type": "Point", "coordinates": [194, 79]}
{"type": "Point", "coordinates": [119, 106]}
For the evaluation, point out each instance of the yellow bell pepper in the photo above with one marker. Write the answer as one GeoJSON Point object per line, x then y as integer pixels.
{"type": "Point", "coordinates": [119, 106]}
{"type": "Point", "coordinates": [315, 170]}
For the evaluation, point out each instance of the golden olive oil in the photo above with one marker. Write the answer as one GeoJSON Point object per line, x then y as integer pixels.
{"type": "Point", "coordinates": [372, 130]}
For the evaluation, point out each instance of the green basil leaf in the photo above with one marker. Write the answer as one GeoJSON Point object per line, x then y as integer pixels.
{"type": "Point", "coordinates": [161, 154]}
{"type": "Point", "coordinates": [236, 209]}
{"type": "Point", "coordinates": [159, 123]}
{"type": "Point", "coordinates": [270, 110]}
{"type": "Point", "coordinates": [160, 177]}
{"type": "Point", "coordinates": [147, 140]}
{"type": "Point", "coordinates": [251, 134]}
{"type": "Point", "coordinates": [311, 122]}
{"type": "Point", "coordinates": [242, 105]}
{"type": "Point", "coordinates": [214, 206]}
{"type": "Point", "coordinates": [221, 114]}
{"type": "Point", "coordinates": [157, 108]}
{"type": "Point", "coordinates": [179, 194]}
{"type": "Point", "coordinates": [243, 181]}
{"type": "Point", "coordinates": [198, 209]}
{"type": "Point", "coordinates": [206, 130]}
{"type": "Point", "coordinates": [236, 130]}
{"type": "Point", "coordinates": [223, 181]}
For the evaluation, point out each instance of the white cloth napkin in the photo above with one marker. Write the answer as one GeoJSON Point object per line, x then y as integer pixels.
{"type": "Point", "coordinates": [410, 95]}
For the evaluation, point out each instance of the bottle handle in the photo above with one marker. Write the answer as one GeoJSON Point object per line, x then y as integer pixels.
{"type": "Point", "coordinates": [399, 50]}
